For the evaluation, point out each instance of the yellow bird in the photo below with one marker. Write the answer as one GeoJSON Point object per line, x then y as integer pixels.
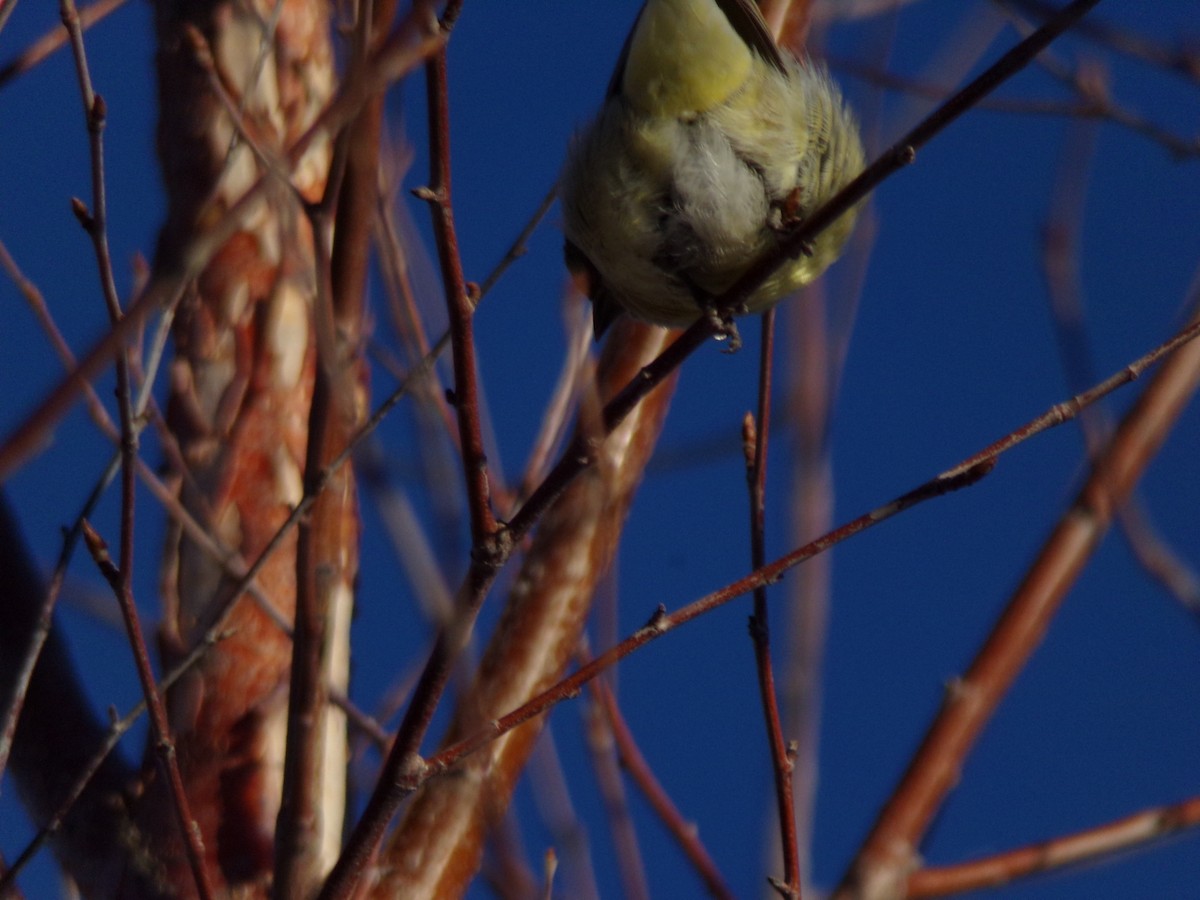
{"type": "Point", "coordinates": [712, 143]}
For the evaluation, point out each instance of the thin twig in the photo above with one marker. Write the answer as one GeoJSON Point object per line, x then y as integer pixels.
{"type": "Point", "coordinates": [164, 745]}
{"type": "Point", "coordinates": [1081, 847]}
{"type": "Point", "coordinates": [119, 727]}
{"type": "Point", "coordinates": [53, 39]}
{"type": "Point", "coordinates": [1158, 558]}
{"type": "Point", "coordinates": [398, 251]}
{"type": "Point", "coordinates": [120, 577]}
{"type": "Point", "coordinates": [519, 247]}
{"type": "Point", "coordinates": [755, 441]}
{"type": "Point", "coordinates": [460, 302]}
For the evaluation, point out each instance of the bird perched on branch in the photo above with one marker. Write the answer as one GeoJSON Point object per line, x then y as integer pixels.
{"type": "Point", "coordinates": [712, 144]}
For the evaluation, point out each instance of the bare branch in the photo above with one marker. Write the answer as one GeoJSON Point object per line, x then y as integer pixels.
{"type": "Point", "coordinates": [1072, 849]}
{"type": "Point", "coordinates": [755, 440]}
{"type": "Point", "coordinates": [888, 855]}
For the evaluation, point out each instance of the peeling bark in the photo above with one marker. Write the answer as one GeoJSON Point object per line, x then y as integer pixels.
{"type": "Point", "coordinates": [241, 391]}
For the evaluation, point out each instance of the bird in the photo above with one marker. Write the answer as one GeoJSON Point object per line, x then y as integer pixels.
{"type": "Point", "coordinates": [712, 144]}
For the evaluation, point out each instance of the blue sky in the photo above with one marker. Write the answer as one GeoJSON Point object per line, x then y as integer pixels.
{"type": "Point", "coordinates": [952, 347]}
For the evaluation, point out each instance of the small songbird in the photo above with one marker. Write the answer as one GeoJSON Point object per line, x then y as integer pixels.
{"type": "Point", "coordinates": [711, 145]}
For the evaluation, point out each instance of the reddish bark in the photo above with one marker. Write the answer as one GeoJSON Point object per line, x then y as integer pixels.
{"type": "Point", "coordinates": [241, 390]}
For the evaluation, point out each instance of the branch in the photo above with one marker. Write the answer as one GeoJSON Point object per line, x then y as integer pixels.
{"type": "Point", "coordinates": [1072, 849]}
{"type": "Point", "coordinates": [164, 744]}
{"type": "Point", "coordinates": [755, 439]}
{"type": "Point", "coordinates": [460, 304]}
{"type": "Point", "coordinates": [888, 855]}
{"type": "Point", "coordinates": [327, 546]}
{"type": "Point", "coordinates": [121, 576]}
{"type": "Point", "coordinates": [53, 40]}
